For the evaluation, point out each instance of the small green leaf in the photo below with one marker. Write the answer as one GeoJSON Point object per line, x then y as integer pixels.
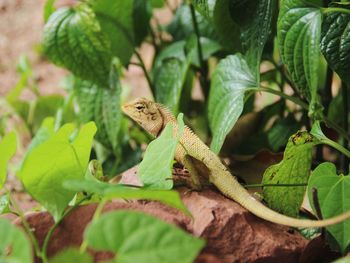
{"type": "Point", "coordinates": [155, 170]}
{"type": "Point", "coordinates": [333, 196]}
{"type": "Point", "coordinates": [231, 78]}
{"type": "Point", "coordinates": [5, 204]}
{"type": "Point", "coordinates": [14, 245]}
{"type": "Point", "coordinates": [49, 9]}
{"type": "Point", "coordinates": [138, 237]}
{"type": "Point", "coordinates": [293, 169]}
{"type": "Point", "coordinates": [109, 191]}
{"type": "Point", "coordinates": [116, 20]}
{"type": "Point", "coordinates": [335, 43]}
{"type": "Point", "coordinates": [73, 39]}
{"type": "Point", "coordinates": [55, 160]}
{"type": "Point", "coordinates": [298, 34]}
{"type": "Point", "coordinates": [71, 255]}
{"type": "Point", "coordinates": [8, 146]}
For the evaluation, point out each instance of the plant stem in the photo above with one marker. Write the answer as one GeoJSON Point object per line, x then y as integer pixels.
{"type": "Point", "coordinates": [97, 214]}
{"type": "Point", "coordinates": [142, 65]}
{"type": "Point", "coordinates": [26, 226]}
{"type": "Point", "coordinates": [203, 66]}
{"type": "Point", "coordinates": [345, 95]}
{"type": "Point", "coordinates": [283, 95]}
{"type": "Point", "coordinates": [53, 228]}
{"type": "Point", "coordinates": [272, 185]}
{"type": "Point", "coordinates": [335, 9]}
{"type": "Point", "coordinates": [304, 105]}
{"type": "Point", "coordinates": [337, 146]}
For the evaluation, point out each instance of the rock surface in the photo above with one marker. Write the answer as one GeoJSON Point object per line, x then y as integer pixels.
{"type": "Point", "coordinates": [231, 232]}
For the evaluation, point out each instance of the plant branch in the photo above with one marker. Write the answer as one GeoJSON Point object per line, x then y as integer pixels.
{"type": "Point", "coordinates": [53, 228]}
{"type": "Point", "coordinates": [335, 9]}
{"type": "Point", "coordinates": [272, 185]}
{"type": "Point", "coordinates": [203, 66]}
{"type": "Point", "coordinates": [345, 95]}
{"type": "Point", "coordinates": [142, 65]}
{"type": "Point", "coordinates": [26, 226]}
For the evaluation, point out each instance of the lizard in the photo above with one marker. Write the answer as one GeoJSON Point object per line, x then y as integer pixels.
{"type": "Point", "coordinates": [153, 117]}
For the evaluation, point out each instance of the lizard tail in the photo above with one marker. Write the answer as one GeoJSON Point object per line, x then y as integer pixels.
{"type": "Point", "coordinates": [233, 190]}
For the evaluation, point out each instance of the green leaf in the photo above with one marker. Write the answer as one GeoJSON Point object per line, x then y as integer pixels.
{"type": "Point", "coordinates": [254, 20]}
{"type": "Point", "coordinates": [110, 191]}
{"type": "Point", "coordinates": [103, 107]}
{"type": "Point", "coordinates": [155, 170]}
{"type": "Point", "coordinates": [142, 13]}
{"type": "Point", "coordinates": [169, 80]}
{"type": "Point", "coordinates": [71, 255]}
{"type": "Point", "coordinates": [293, 169]}
{"type": "Point", "coordinates": [24, 69]}
{"type": "Point", "coordinates": [342, 260]}
{"type": "Point", "coordinates": [46, 130]}
{"type": "Point", "coordinates": [73, 39]}
{"type": "Point", "coordinates": [231, 78]}
{"type": "Point", "coordinates": [49, 9]}
{"type": "Point", "coordinates": [8, 147]}
{"type": "Point", "coordinates": [5, 204]}
{"type": "Point", "coordinates": [57, 159]}
{"type": "Point", "coordinates": [218, 13]}
{"type": "Point", "coordinates": [177, 50]}
{"type": "Point", "coordinates": [116, 20]}
{"type": "Point", "coordinates": [333, 195]}
{"type": "Point", "coordinates": [181, 26]}
{"type": "Point", "coordinates": [335, 43]}
{"type": "Point", "coordinates": [138, 237]}
{"type": "Point", "coordinates": [14, 245]}
{"type": "Point", "coordinates": [298, 34]}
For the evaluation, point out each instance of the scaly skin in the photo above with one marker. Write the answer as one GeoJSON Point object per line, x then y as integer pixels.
{"type": "Point", "coordinates": [153, 117]}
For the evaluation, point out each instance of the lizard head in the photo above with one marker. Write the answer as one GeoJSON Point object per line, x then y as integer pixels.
{"type": "Point", "coordinates": [146, 114]}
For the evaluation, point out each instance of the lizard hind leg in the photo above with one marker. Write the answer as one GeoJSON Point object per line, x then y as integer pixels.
{"type": "Point", "coordinates": [195, 182]}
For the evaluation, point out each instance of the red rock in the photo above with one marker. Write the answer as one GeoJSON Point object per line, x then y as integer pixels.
{"type": "Point", "coordinates": [232, 233]}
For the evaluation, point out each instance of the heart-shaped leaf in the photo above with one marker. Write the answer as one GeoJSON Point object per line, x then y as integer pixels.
{"type": "Point", "coordinates": [55, 160]}
{"type": "Point", "coordinates": [155, 170]}
{"type": "Point", "coordinates": [298, 34]}
{"type": "Point", "coordinates": [231, 78]}
{"type": "Point", "coordinates": [73, 39]}
{"type": "Point", "coordinates": [293, 169]}
{"type": "Point", "coordinates": [333, 192]}
{"type": "Point", "coordinates": [71, 255]}
{"type": "Point", "coordinates": [137, 237]}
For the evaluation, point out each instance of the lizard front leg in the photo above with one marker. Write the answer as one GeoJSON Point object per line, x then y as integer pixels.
{"type": "Point", "coordinates": [182, 157]}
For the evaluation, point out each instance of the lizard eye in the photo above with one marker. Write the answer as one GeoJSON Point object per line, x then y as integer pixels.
{"type": "Point", "coordinates": [139, 107]}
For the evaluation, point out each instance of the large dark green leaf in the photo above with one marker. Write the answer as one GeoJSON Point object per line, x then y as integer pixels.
{"type": "Point", "coordinates": [181, 26]}
{"type": "Point", "coordinates": [116, 20]}
{"type": "Point", "coordinates": [231, 78]}
{"type": "Point", "coordinates": [293, 169]}
{"type": "Point", "coordinates": [137, 237]}
{"type": "Point", "coordinates": [73, 39]}
{"type": "Point", "coordinates": [103, 107]}
{"type": "Point", "coordinates": [335, 43]}
{"type": "Point", "coordinates": [254, 20]}
{"type": "Point", "coordinates": [142, 12]}
{"type": "Point", "coordinates": [218, 14]}
{"type": "Point", "coordinates": [299, 33]}
{"type": "Point", "coordinates": [333, 195]}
